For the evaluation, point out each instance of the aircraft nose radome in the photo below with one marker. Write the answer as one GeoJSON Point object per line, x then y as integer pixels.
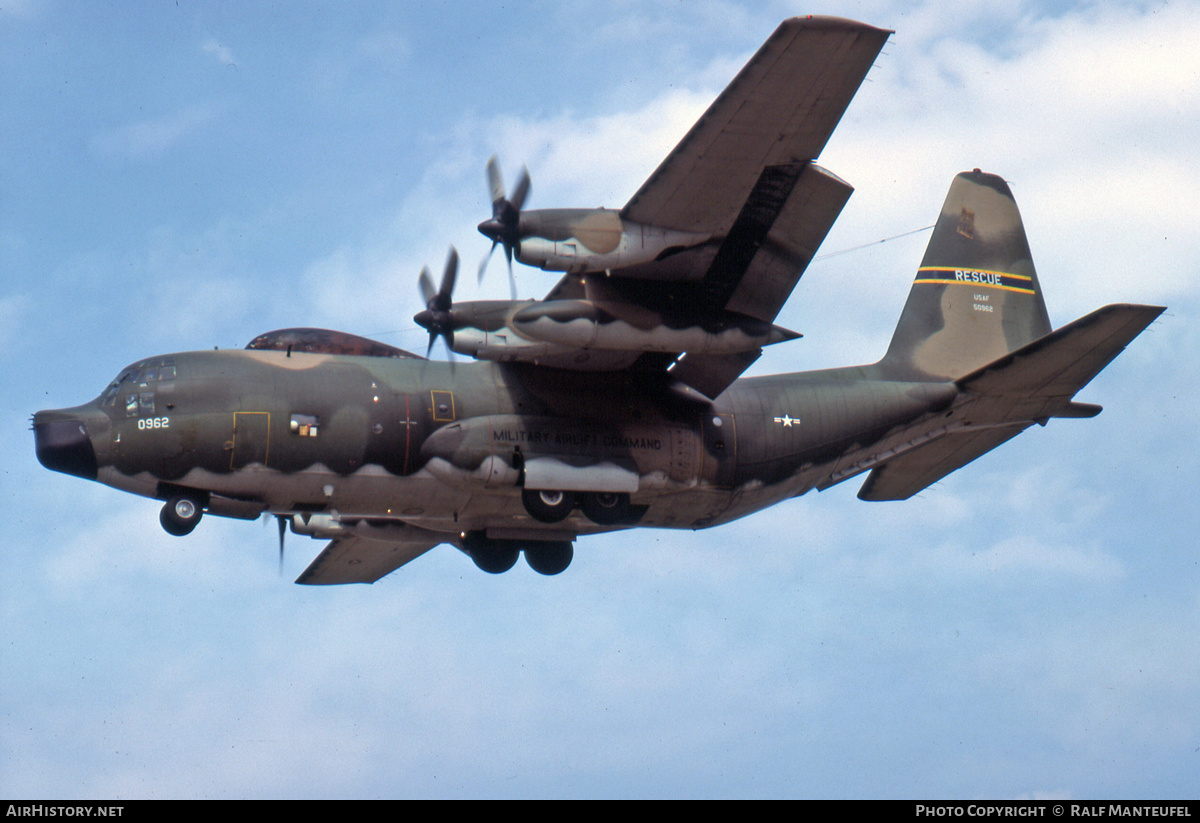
{"type": "Point", "coordinates": [63, 445]}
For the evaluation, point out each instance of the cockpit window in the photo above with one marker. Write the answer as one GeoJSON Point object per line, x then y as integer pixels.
{"type": "Point", "coordinates": [143, 375]}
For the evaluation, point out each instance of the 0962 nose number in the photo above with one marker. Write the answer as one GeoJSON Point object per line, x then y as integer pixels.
{"type": "Point", "coordinates": [154, 423]}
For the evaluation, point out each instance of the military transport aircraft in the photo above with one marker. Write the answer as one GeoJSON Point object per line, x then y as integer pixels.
{"type": "Point", "coordinates": [614, 402]}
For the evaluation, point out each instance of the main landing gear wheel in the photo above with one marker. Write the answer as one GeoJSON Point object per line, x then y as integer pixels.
{"type": "Point", "coordinates": [549, 557]}
{"type": "Point", "coordinates": [548, 506]}
{"type": "Point", "coordinates": [606, 508]}
{"type": "Point", "coordinates": [180, 514]}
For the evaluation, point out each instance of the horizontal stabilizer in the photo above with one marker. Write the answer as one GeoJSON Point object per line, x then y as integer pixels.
{"type": "Point", "coordinates": [999, 401]}
{"type": "Point", "coordinates": [902, 477]}
{"type": "Point", "coordinates": [1066, 360]}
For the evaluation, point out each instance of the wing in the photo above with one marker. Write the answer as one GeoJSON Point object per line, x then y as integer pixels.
{"type": "Point", "coordinates": [745, 174]}
{"type": "Point", "coordinates": [689, 276]}
{"type": "Point", "coordinates": [778, 112]}
{"type": "Point", "coordinates": [356, 559]}
{"type": "Point", "coordinates": [745, 171]}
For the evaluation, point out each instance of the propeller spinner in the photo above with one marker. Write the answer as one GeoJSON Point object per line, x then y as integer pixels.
{"type": "Point", "coordinates": [505, 226]}
{"type": "Point", "coordinates": [436, 317]}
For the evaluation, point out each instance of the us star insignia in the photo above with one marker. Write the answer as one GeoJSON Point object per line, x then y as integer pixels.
{"type": "Point", "coordinates": [788, 421]}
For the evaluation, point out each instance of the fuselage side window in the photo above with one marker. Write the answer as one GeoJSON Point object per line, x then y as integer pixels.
{"type": "Point", "coordinates": [305, 425]}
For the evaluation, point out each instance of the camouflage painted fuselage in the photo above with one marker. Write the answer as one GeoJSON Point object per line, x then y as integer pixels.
{"type": "Point", "coordinates": [447, 447]}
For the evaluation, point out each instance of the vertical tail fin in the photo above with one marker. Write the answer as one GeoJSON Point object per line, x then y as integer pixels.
{"type": "Point", "coordinates": [976, 296]}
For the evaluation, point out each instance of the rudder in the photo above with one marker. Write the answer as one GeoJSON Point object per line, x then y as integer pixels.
{"type": "Point", "coordinates": [976, 296]}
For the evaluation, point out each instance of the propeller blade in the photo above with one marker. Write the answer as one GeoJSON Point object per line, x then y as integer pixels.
{"type": "Point", "coordinates": [521, 191]}
{"type": "Point", "coordinates": [449, 275]}
{"type": "Point", "coordinates": [495, 182]}
{"type": "Point", "coordinates": [437, 318]}
{"type": "Point", "coordinates": [282, 530]}
{"type": "Point", "coordinates": [483, 263]}
{"type": "Point", "coordinates": [504, 227]}
{"type": "Point", "coordinates": [426, 284]}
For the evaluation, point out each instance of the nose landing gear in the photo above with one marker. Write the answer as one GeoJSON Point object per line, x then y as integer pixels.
{"type": "Point", "coordinates": [180, 514]}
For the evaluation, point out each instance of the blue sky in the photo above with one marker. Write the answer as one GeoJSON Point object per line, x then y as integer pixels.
{"type": "Point", "coordinates": [185, 175]}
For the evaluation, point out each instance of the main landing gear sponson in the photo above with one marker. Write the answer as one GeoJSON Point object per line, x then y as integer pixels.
{"type": "Point", "coordinates": [180, 514]}
{"type": "Point", "coordinates": [602, 508]}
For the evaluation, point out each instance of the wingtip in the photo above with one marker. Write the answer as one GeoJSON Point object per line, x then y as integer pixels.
{"type": "Point", "coordinates": [832, 23]}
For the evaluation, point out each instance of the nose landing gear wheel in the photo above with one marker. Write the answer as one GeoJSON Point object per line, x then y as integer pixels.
{"type": "Point", "coordinates": [180, 514]}
{"type": "Point", "coordinates": [548, 506]}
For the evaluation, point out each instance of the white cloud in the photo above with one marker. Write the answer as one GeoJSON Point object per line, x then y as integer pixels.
{"type": "Point", "coordinates": [599, 160]}
{"type": "Point", "coordinates": [154, 137]}
{"type": "Point", "coordinates": [23, 9]}
{"type": "Point", "coordinates": [13, 311]}
{"type": "Point", "coordinates": [1087, 118]}
{"type": "Point", "coordinates": [222, 54]}
{"type": "Point", "coordinates": [388, 48]}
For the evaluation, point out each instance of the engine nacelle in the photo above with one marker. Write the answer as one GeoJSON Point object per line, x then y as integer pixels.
{"type": "Point", "coordinates": [595, 240]}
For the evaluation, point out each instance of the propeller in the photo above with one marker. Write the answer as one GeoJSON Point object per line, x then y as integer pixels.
{"type": "Point", "coordinates": [436, 317]}
{"type": "Point", "coordinates": [282, 521]}
{"type": "Point", "coordinates": [282, 528]}
{"type": "Point", "coordinates": [505, 226]}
